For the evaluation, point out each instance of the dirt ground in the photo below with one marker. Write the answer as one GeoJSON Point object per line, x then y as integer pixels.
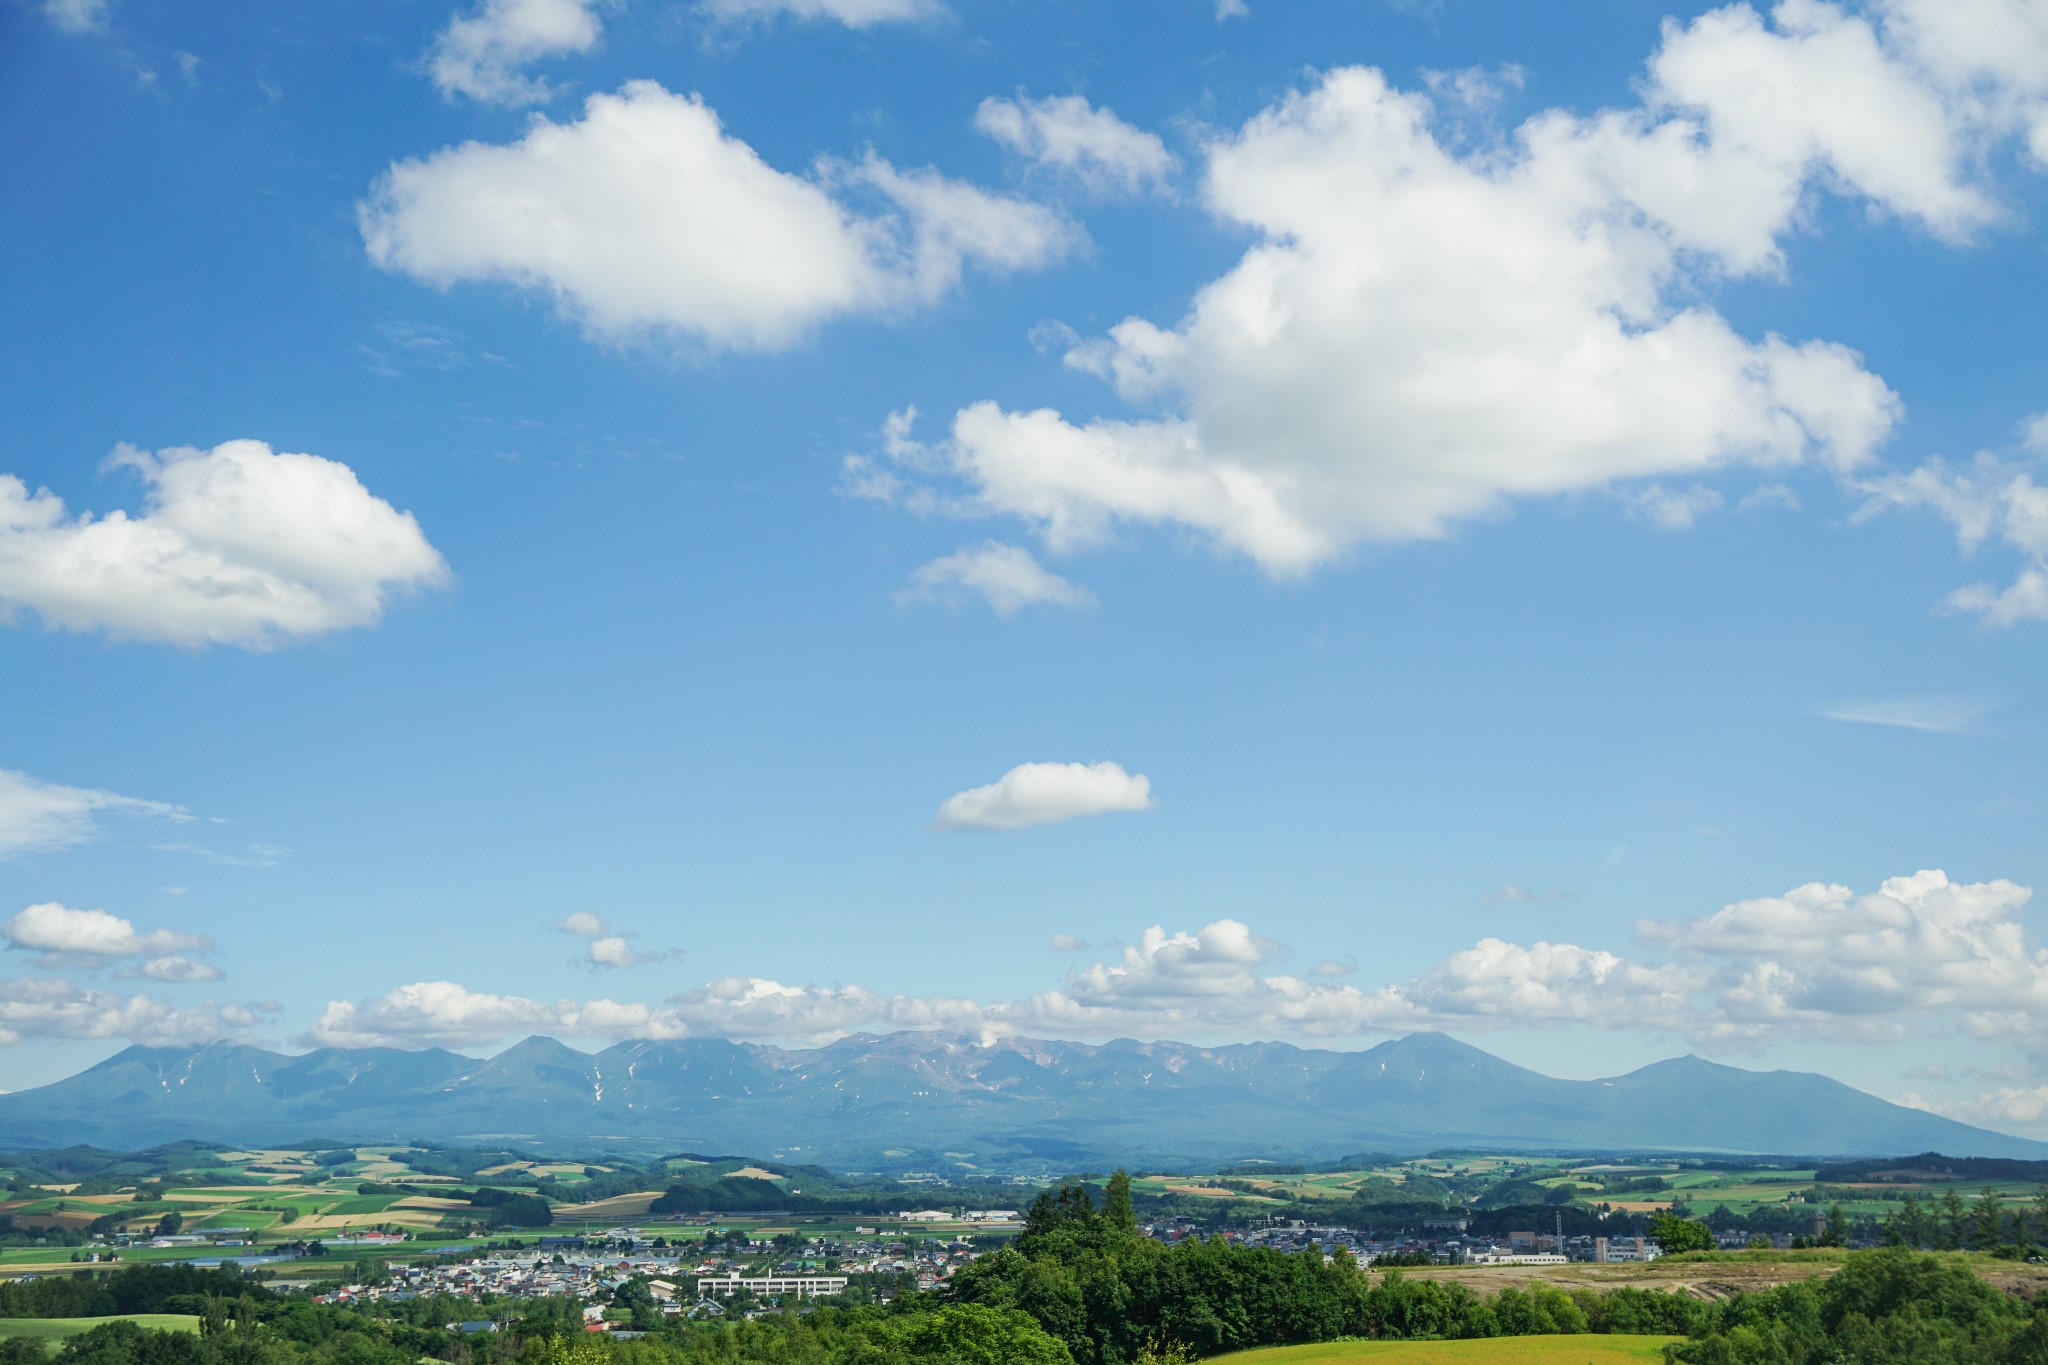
{"type": "Point", "coordinates": [1712, 1280]}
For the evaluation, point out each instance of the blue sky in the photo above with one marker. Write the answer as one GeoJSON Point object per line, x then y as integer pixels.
{"type": "Point", "coordinates": [779, 517]}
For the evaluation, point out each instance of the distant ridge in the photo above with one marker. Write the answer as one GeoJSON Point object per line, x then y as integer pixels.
{"type": "Point", "coordinates": [864, 1096]}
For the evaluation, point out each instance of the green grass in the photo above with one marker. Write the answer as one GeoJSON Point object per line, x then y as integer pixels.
{"type": "Point", "coordinates": [1564, 1350]}
{"type": "Point", "coordinates": [53, 1330]}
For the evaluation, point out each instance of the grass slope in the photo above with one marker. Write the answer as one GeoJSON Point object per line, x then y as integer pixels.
{"type": "Point", "coordinates": [53, 1330]}
{"type": "Point", "coordinates": [1565, 1350]}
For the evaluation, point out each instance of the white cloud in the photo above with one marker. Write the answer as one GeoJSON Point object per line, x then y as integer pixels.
{"type": "Point", "coordinates": [481, 55]}
{"type": "Point", "coordinates": [443, 1014]}
{"type": "Point", "coordinates": [1008, 577]}
{"type": "Point", "coordinates": [1231, 9]}
{"type": "Point", "coordinates": [852, 13]}
{"type": "Point", "coordinates": [37, 816]}
{"type": "Point", "coordinates": [2013, 1108]}
{"type": "Point", "coordinates": [1422, 336]}
{"type": "Point", "coordinates": [1477, 88]}
{"type": "Point", "coordinates": [617, 950]}
{"type": "Point", "coordinates": [1067, 943]}
{"type": "Point", "coordinates": [429, 1014]}
{"type": "Point", "coordinates": [646, 219]}
{"type": "Point", "coordinates": [174, 968]}
{"type": "Point", "coordinates": [237, 545]}
{"type": "Point", "coordinates": [1514, 893]}
{"type": "Point", "coordinates": [64, 937]}
{"type": "Point", "coordinates": [1674, 509]}
{"type": "Point", "coordinates": [77, 16]}
{"type": "Point", "coordinates": [1988, 499]}
{"type": "Point", "coordinates": [1042, 793]}
{"type": "Point", "coordinates": [1935, 714]}
{"type": "Point", "coordinates": [256, 855]}
{"type": "Point", "coordinates": [1065, 133]}
{"type": "Point", "coordinates": [1768, 495]}
{"type": "Point", "coordinates": [1819, 962]}
{"type": "Point", "coordinates": [607, 949]}
{"type": "Point", "coordinates": [1825, 961]}
{"type": "Point", "coordinates": [46, 1008]}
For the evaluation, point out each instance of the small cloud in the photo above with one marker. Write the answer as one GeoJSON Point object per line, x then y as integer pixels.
{"type": "Point", "coordinates": [1614, 856]}
{"type": "Point", "coordinates": [77, 16]}
{"type": "Point", "coordinates": [175, 890]}
{"type": "Point", "coordinates": [484, 55]}
{"type": "Point", "coordinates": [172, 968]}
{"type": "Point", "coordinates": [1946, 715]}
{"type": "Point", "coordinates": [38, 816]}
{"type": "Point", "coordinates": [1769, 495]}
{"type": "Point", "coordinates": [1067, 943]}
{"type": "Point", "coordinates": [1007, 577]}
{"type": "Point", "coordinates": [617, 950]}
{"type": "Point", "coordinates": [188, 67]}
{"type": "Point", "coordinates": [1674, 509]}
{"type": "Point", "coordinates": [2034, 433]}
{"type": "Point", "coordinates": [1068, 135]}
{"type": "Point", "coordinates": [1045, 793]}
{"type": "Point", "coordinates": [1933, 1071]}
{"type": "Point", "coordinates": [1231, 9]}
{"type": "Point", "coordinates": [63, 937]}
{"type": "Point", "coordinates": [607, 948]}
{"type": "Point", "coordinates": [1334, 967]}
{"type": "Point", "coordinates": [1513, 893]}
{"type": "Point", "coordinates": [855, 14]}
{"type": "Point", "coordinates": [1475, 88]}
{"type": "Point", "coordinates": [256, 855]}
{"type": "Point", "coordinates": [413, 345]}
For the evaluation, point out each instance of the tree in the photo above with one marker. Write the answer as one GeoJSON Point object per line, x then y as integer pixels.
{"type": "Point", "coordinates": [1838, 1228]}
{"type": "Point", "coordinates": [170, 1223]}
{"type": "Point", "coordinates": [970, 1334]}
{"type": "Point", "coordinates": [1953, 1222]}
{"type": "Point", "coordinates": [1675, 1234]}
{"type": "Point", "coordinates": [1987, 1221]}
{"type": "Point", "coordinates": [1912, 1221]}
{"type": "Point", "coordinates": [1116, 1205]}
{"type": "Point", "coordinates": [2041, 1211]}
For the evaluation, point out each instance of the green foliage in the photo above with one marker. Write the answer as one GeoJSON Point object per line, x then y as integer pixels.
{"type": "Point", "coordinates": [510, 1209]}
{"type": "Point", "coordinates": [1111, 1296]}
{"type": "Point", "coordinates": [1889, 1307]}
{"type": "Point", "coordinates": [1677, 1235]}
{"type": "Point", "coordinates": [729, 1194]}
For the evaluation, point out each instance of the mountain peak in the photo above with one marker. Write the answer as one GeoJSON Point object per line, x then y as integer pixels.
{"type": "Point", "coordinates": [860, 1098]}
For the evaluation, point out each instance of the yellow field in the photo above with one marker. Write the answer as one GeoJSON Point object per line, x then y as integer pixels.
{"type": "Point", "coordinates": [419, 1220]}
{"type": "Point", "coordinates": [754, 1173]}
{"type": "Point", "coordinates": [1571, 1350]}
{"type": "Point", "coordinates": [618, 1206]}
{"type": "Point", "coordinates": [1205, 1191]}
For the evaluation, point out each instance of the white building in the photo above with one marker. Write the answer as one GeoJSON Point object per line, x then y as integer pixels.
{"type": "Point", "coordinates": [803, 1286]}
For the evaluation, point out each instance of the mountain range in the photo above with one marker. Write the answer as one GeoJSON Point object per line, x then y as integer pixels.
{"type": "Point", "coordinates": [873, 1100]}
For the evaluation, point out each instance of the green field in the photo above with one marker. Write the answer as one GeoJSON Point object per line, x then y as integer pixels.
{"type": "Point", "coordinates": [53, 1330]}
{"type": "Point", "coordinates": [1566, 1350]}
